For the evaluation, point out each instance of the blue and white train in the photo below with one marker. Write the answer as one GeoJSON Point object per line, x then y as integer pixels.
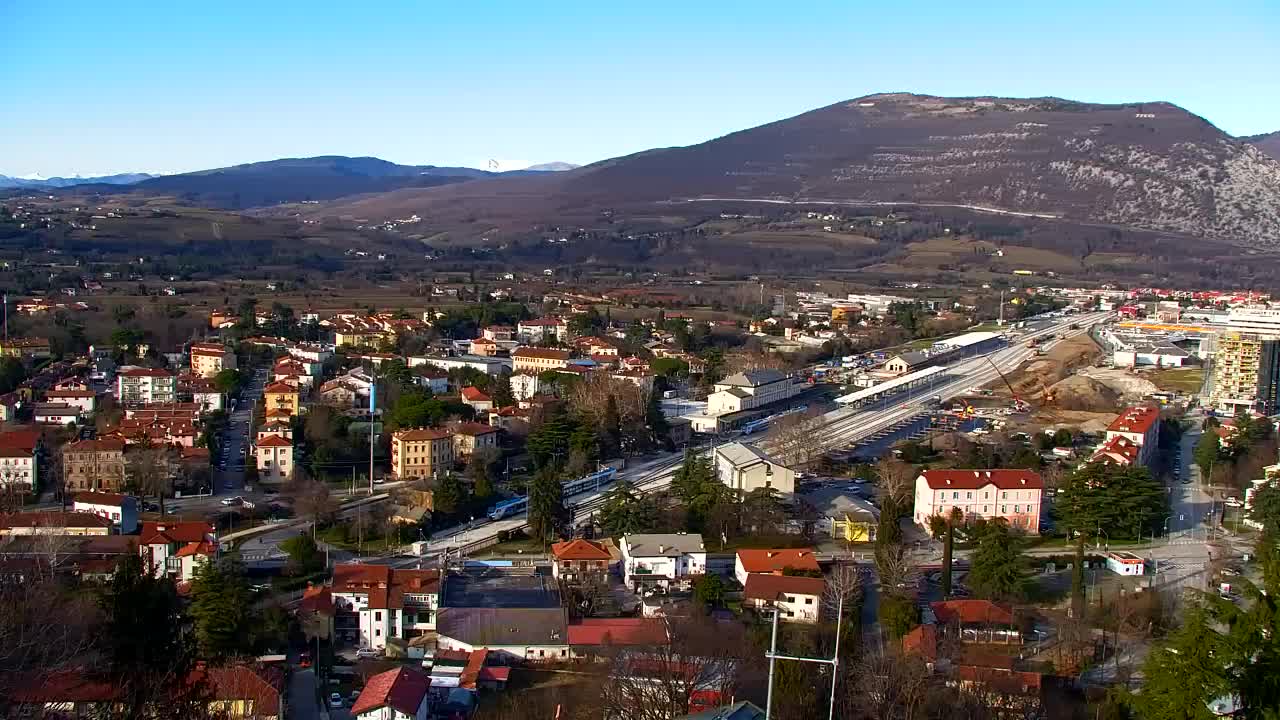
{"type": "Point", "coordinates": [590, 483]}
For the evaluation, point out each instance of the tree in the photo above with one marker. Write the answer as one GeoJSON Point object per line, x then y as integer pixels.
{"type": "Point", "coordinates": [500, 391]}
{"type": "Point", "coordinates": [697, 486]}
{"type": "Point", "coordinates": [1266, 509]}
{"type": "Point", "coordinates": [1124, 501]}
{"type": "Point", "coordinates": [449, 495]}
{"type": "Point", "coordinates": [304, 555]}
{"type": "Point", "coordinates": [625, 512]}
{"type": "Point", "coordinates": [221, 609]}
{"type": "Point", "coordinates": [311, 500]}
{"type": "Point", "coordinates": [227, 381]}
{"type": "Point", "coordinates": [480, 471]}
{"type": "Point", "coordinates": [996, 569]}
{"type": "Point", "coordinates": [709, 591]}
{"type": "Point", "coordinates": [1207, 451]}
{"type": "Point", "coordinates": [149, 472]}
{"type": "Point", "coordinates": [12, 373]}
{"type": "Point", "coordinates": [898, 614]}
{"type": "Point", "coordinates": [897, 480]}
{"type": "Point", "coordinates": [547, 513]}
{"type": "Point", "coordinates": [656, 421]}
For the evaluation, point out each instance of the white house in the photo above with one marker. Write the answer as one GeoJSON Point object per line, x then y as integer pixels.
{"type": "Point", "coordinates": [511, 634]}
{"type": "Point", "coordinates": [662, 559]}
{"type": "Point", "coordinates": [175, 548]}
{"type": "Point", "coordinates": [1141, 426]}
{"type": "Point", "coordinates": [55, 413]}
{"type": "Point", "coordinates": [17, 467]}
{"type": "Point", "coordinates": [381, 603]}
{"type": "Point", "coordinates": [535, 331]}
{"type": "Point", "coordinates": [524, 385]}
{"type": "Point", "coordinates": [84, 400]}
{"type": "Point", "coordinates": [208, 400]}
{"type": "Point", "coordinates": [399, 694]}
{"type": "Point", "coordinates": [751, 389]}
{"type": "Point", "coordinates": [796, 599]}
{"type": "Point", "coordinates": [745, 467]}
{"type": "Point", "coordinates": [275, 459]}
{"type": "Point", "coordinates": [773, 562]}
{"type": "Point", "coordinates": [1011, 495]}
{"type": "Point", "coordinates": [121, 510]}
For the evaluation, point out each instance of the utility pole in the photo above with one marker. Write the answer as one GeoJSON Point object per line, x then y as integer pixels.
{"type": "Point", "coordinates": [834, 661]}
{"type": "Point", "coordinates": [373, 409]}
{"type": "Point", "coordinates": [1000, 322]}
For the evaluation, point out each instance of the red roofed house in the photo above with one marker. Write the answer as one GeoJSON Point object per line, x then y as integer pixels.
{"type": "Point", "coordinates": [52, 522]}
{"type": "Point", "coordinates": [376, 603]}
{"type": "Point", "coordinates": [121, 510]}
{"type": "Point", "coordinates": [972, 670]}
{"type": "Point", "coordinates": [477, 399]}
{"type": "Point", "coordinates": [589, 636]}
{"type": "Point", "coordinates": [1141, 426]}
{"type": "Point", "coordinates": [798, 599]}
{"type": "Point", "coordinates": [174, 548]}
{"type": "Point", "coordinates": [1119, 450]}
{"type": "Point", "coordinates": [470, 437]}
{"type": "Point", "coordinates": [316, 611]}
{"type": "Point", "coordinates": [17, 468]}
{"type": "Point", "coordinates": [577, 559]}
{"type": "Point", "coordinates": [1011, 495]}
{"type": "Point", "coordinates": [399, 694]}
{"type": "Point", "coordinates": [773, 562]}
{"type": "Point", "coordinates": [484, 347]}
{"type": "Point", "coordinates": [275, 459]}
{"type": "Point", "coordinates": [538, 359]}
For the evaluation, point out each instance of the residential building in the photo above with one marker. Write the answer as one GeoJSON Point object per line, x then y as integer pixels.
{"type": "Point", "coordinates": [578, 560]}
{"type": "Point", "coordinates": [209, 359]}
{"type": "Point", "coordinates": [207, 398]}
{"type": "Point", "coordinates": [486, 365]}
{"type": "Point", "coordinates": [542, 330]}
{"type": "Point", "coordinates": [511, 634]}
{"type": "Point", "coordinates": [55, 414]}
{"type": "Point", "coordinates": [662, 559]}
{"type": "Point", "coordinates": [121, 510]}
{"type": "Point", "coordinates": [1140, 426]}
{"type": "Point", "coordinates": [905, 362]}
{"type": "Point", "coordinates": [773, 562]}
{"type": "Point", "coordinates": [175, 548]}
{"type": "Point", "coordinates": [744, 467]}
{"type": "Point", "coordinates": [377, 603]}
{"type": "Point", "coordinates": [83, 400]}
{"type": "Point", "coordinates": [399, 694]}
{"type": "Point", "coordinates": [143, 386]}
{"type": "Point", "coordinates": [484, 347]}
{"type": "Point", "coordinates": [275, 459]}
{"type": "Point", "coordinates": [477, 399]}
{"type": "Point", "coordinates": [424, 452]}
{"type": "Point", "coordinates": [537, 360]}
{"type": "Point", "coordinates": [470, 437]}
{"type": "Point", "coordinates": [751, 389]}
{"type": "Point", "coordinates": [316, 611]}
{"type": "Point", "coordinates": [596, 637]}
{"type": "Point", "coordinates": [431, 378]}
{"type": "Point", "coordinates": [282, 397]}
{"type": "Point", "coordinates": [796, 598]}
{"type": "Point", "coordinates": [845, 514]}
{"type": "Point", "coordinates": [1246, 372]}
{"type": "Point", "coordinates": [32, 348]}
{"type": "Point", "coordinates": [525, 385]}
{"type": "Point", "coordinates": [1011, 495]}
{"type": "Point", "coordinates": [340, 394]}
{"type": "Point", "coordinates": [499, 333]}
{"type": "Point", "coordinates": [93, 465]}
{"type": "Point", "coordinates": [1118, 450]}
{"type": "Point", "coordinates": [51, 522]}
{"type": "Point", "coordinates": [17, 468]}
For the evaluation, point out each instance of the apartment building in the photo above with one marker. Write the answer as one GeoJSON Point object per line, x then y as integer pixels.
{"type": "Point", "coordinates": [96, 465]}
{"type": "Point", "coordinates": [275, 459]}
{"type": "Point", "coordinates": [1011, 495]}
{"type": "Point", "coordinates": [376, 603]}
{"type": "Point", "coordinates": [541, 330]}
{"type": "Point", "coordinates": [17, 468]}
{"type": "Point", "coordinates": [536, 360]}
{"type": "Point", "coordinates": [144, 386]}
{"type": "Point", "coordinates": [470, 437]}
{"type": "Point", "coordinates": [1246, 372]}
{"type": "Point", "coordinates": [423, 452]}
{"type": "Point", "coordinates": [662, 559]}
{"type": "Point", "coordinates": [282, 398]}
{"type": "Point", "coordinates": [1139, 426]}
{"type": "Point", "coordinates": [175, 548]}
{"type": "Point", "coordinates": [209, 359]}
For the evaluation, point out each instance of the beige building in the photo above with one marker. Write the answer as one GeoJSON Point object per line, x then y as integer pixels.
{"type": "Point", "coordinates": [423, 452]}
{"type": "Point", "coordinates": [145, 386]}
{"type": "Point", "coordinates": [275, 459]}
{"type": "Point", "coordinates": [745, 467]}
{"type": "Point", "coordinates": [536, 360]}
{"type": "Point", "coordinates": [209, 359]}
{"type": "Point", "coordinates": [469, 437]}
{"type": "Point", "coordinates": [93, 465]}
{"type": "Point", "coordinates": [53, 523]}
{"type": "Point", "coordinates": [751, 389]}
{"type": "Point", "coordinates": [1246, 372]}
{"type": "Point", "coordinates": [281, 397]}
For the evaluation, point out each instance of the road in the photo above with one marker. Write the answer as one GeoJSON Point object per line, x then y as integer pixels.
{"type": "Point", "coordinates": [843, 427]}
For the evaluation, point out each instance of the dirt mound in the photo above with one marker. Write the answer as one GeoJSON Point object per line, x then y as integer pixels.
{"type": "Point", "coordinates": [1079, 392]}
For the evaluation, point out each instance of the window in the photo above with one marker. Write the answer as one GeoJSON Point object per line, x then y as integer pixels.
{"type": "Point", "coordinates": [1004, 509]}
{"type": "Point", "coordinates": [968, 496]}
{"type": "Point", "coordinates": [955, 495]}
{"type": "Point", "coordinates": [1017, 508]}
{"type": "Point", "coordinates": [1004, 496]}
{"type": "Point", "coordinates": [377, 616]}
{"type": "Point", "coordinates": [808, 601]}
{"type": "Point", "coordinates": [377, 632]}
{"type": "Point", "coordinates": [791, 598]}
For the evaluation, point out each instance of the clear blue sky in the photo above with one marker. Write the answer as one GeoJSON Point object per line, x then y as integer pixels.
{"type": "Point", "coordinates": [97, 86]}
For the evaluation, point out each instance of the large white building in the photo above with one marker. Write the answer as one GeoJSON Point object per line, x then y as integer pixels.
{"type": "Point", "coordinates": [381, 603]}
{"type": "Point", "coordinates": [1011, 495]}
{"type": "Point", "coordinates": [1140, 426]}
{"type": "Point", "coordinates": [662, 559]}
{"type": "Point", "coordinates": [743, 467]}
{"type": "Point", "coordinates": [139, 385]}
{"type": "Point", "coordinates": [751, 389]}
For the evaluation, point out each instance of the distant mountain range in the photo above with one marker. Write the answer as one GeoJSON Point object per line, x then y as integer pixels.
{"type": "Point", "coordinates": [1148, 166]}
{"type": "Point", "coordinates": [62, 182]}
{"type": "Point", "coordinates": [1268, 143]}
{"type": "Point", "coordinates": [286, 180]}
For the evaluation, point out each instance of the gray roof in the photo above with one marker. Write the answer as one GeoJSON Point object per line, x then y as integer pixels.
{"type": "Point", "coordinates": [737, 392]}
{"type": "Point", "coordinates": [741, 710]}
{"type": "Point", "coordinates": [671, 544]}
{"type": "Point", "coordinates": [1171, 350]}
{"type": "Point", "coordinates": [913, 357]}
{"type": "Point", "coordinates": [503, 626]}
{"type": "Point", "coordinates": [836, 502]}
{"type": "Point", "coordinates": [753, 378]}
{"type": "Point", "coordinates": [743, 455]}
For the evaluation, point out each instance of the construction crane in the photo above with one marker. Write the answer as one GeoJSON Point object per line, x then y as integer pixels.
{"type": "Point", "coordinates": [1019, 405]}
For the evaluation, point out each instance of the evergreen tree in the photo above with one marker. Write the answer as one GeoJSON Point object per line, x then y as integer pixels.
{"type": "Point", "coordinates": [500, 392]}
{"type": "Point", "coordinates": [625, 513]}
{"type": "Point", "coordinates": [612, 426]}
{"type": "Point", "coordinates": [221, 610]}
{"type": "Point", "coordinates": [1077, 580]}
{"type": "Point", "coordinates": [481, 473]}
{"type": "Point", "coordinates": [547, 513]}
{"type": "Point", "coordinates": [697, 486]}
{"type": "Point", "coordinates": [1124, 501]}
{"type": "Point", "coordinates": [997, 570]}
{"type": "Point", "coordinates": [657, 423]}
{"type": "Point", "coordinates": [449, 495]}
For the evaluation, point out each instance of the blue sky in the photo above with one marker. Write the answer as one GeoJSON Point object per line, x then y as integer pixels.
{"type": "Point", "coordinates": [94, 87]}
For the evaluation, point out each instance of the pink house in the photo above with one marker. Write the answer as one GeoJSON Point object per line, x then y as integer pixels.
{"type": "Point", "coordinates": [1010, 494]}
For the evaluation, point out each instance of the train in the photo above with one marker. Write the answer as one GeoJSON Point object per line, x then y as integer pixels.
{"type": "Point", "coordinates": [763, 423]}
{"type": "Point", "coordinates": [592, 482]}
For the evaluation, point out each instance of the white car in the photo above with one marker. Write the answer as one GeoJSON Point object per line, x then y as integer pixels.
{"type": "Point", "coordinates": [335, 700]}
{"type": "Point", "coordinates": [237, 500]}
{"type": "Point", "coordinates": [368, 652]}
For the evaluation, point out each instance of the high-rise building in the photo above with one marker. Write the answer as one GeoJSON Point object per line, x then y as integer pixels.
{"type": "Point", "coordinates": [1246, 372]}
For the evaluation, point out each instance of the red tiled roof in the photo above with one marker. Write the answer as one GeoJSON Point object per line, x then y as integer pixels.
{"type": "Point", "coordinates": [543, 353]}
{"type": "Point", "coordinates": [617, 631]}
{"type": "Point", "coordinates": [421, 434]}
{"type": "Point", "coordinates": [196, 548]}
{"type": "Point", "coordinates": [775, 561]}
{"type": "Point", "coordinates": [474, 394]}
{"type": "Point", "coordinates": [70, 394]}
{"type": "Point", "coordinates": [474, 428]}
{"type": "Point", "coordinates": [146, 372]}
{"type": "Point", "coordinates": [402, 689]}
{"type": "Point", "coordinates": [385, 586]}
{"type": "Point", "coordinates": [771, 587]}
{"type": "Point", "coordinates": [179, 532]}
{"type": "Point", "coordinates": [317, 599]}
{"type": "Point", "coordinates": [923, 640]}
{"type": "Point", "coordinates": [239, 682]}
{"type": "Point", "coordinates": [1135, 420]}
{"type": "Point", "coordinates": [68, 686]}
{"type": "Point", "coordinates": [471, 671]}
{"type": "Point", "coordinates": [278, 388]}
{"type": "Point", "coordinates": [99, 445]}
{"type": "Point", "coordinates": [21, 439]}
{"type": "Point", "coordinates": [1118, 449]}
{"type": "Point", "coordinates": [11, 452]}
{"type": "Point", "coordinates": [974, 479]}
{"type": "Point", "coordinates": [274, 441]}
{"type": "Point", "coordinates": [100, 498]}
{"type": "Point", "coordinates": [1009, 681]}
{"type": "Point", "coordinates": [53, 519]}
{"type": "Point", "coordinates": [580, 549]}
{"type": "Point", "coordinates": [543, 322]}
{"type": "Point", "coordinates": [971, 612]}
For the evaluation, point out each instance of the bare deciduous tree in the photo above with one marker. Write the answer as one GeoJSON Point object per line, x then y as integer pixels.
{"type": "Point", "coordinates": [897, 479]}
{"type": "Point", "coordinates": [795, 441]}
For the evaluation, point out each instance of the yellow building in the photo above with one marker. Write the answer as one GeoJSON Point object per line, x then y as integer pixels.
{"type": "Point", "coordinates": [282, 397]}
{"type": "Point", "coordinates": [209, 359]}
{"type": "Point", "coordinates": [536, 359]}
{"type": "Point", "coordinates": [423, 452]}
{"type": "Point", "coordinates": [1246, 372]}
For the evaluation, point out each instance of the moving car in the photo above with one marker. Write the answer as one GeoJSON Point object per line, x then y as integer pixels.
{"type": "Point", "coordinates": [237, 500]}
{"type": "Point", "coordinates": [335, 700]}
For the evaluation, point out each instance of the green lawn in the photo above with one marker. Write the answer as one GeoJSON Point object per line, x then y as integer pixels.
{"type": "Point", "coordinates": [1187, 380]}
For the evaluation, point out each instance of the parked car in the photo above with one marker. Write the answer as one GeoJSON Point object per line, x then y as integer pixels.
{"type": "Point", "coordinates": [368, 652]}
{"type": "Point", "coordinates": [335, 700]}
{"type": "Point", "coordinates": [237, 500]}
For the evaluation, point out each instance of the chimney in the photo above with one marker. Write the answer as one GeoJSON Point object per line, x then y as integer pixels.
{"type": "Point", "coordinates": [988, 473]}
{"type": "Point", "coordinates": [977, 474]}
{"type": "Point", "coordinates": [1024, 481]}
{"type": "Point", "coordinates": [771, 554]}
{"type": "Point", "coordinates": [662, 549]}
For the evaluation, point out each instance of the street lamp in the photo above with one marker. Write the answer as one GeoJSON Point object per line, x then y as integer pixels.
{"type": "Point", "coordinates": [1166, 525]}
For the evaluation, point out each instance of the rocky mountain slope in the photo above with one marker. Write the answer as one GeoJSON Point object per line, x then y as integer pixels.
{"type": "Point", "coordinates": [1151, 166]}
{"type": "Point", "coordinates": [1268, 143]}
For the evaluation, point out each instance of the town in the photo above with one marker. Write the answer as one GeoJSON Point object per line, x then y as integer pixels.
{"type": "Point", "coordinates": [594, 504]}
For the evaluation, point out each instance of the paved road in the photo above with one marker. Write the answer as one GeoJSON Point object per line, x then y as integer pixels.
{"type": "Point", "coordinates": [302, 695]}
